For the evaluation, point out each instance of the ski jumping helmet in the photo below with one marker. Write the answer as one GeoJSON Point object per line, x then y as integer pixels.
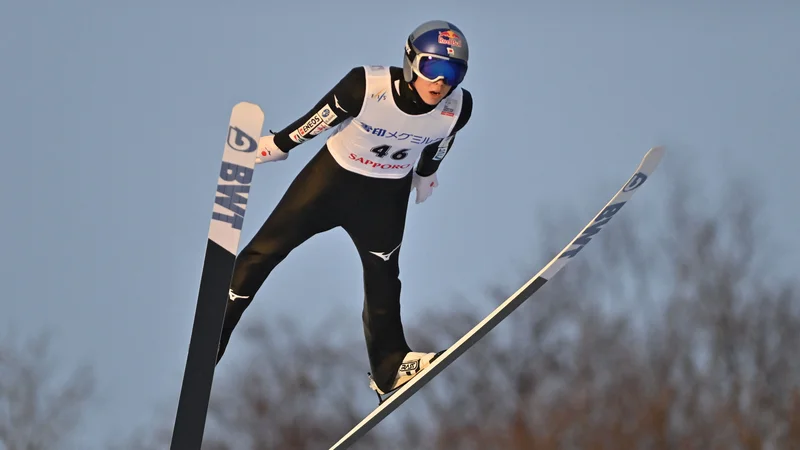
{"type": "Point", "coordinates": [436, 49]}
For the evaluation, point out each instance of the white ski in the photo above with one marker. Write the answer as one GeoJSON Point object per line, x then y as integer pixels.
{"type": "Point", "coordinates": [645, 169]}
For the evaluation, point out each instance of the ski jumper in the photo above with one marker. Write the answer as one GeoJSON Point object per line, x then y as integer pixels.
{"type": "Point", "coordinates": [359, 180]}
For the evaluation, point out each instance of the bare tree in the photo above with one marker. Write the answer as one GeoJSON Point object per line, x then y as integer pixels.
{"type": "Point", "coordinates": [295, 392]}
{"type": "Point", "coordinates": [39, 407]}
{"type": "Point", "coordinates": [297, 395]}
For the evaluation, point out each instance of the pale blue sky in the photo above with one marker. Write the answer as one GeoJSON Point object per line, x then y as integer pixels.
{"type": "Point", "coordinates": [114, 114]}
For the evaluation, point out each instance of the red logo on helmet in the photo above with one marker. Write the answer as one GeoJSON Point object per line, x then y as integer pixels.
{"type": "Point", "coordinates": [450, 38]}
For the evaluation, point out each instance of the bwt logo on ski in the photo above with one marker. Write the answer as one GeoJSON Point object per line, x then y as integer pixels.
{"type": "Point", "coordinates": [231, 197]}
{"type": "Point", "coordinates": [241, 141]}
{"type": "Point", "coordinates": [636, 180]}
{"type": "Point", "coordinates": [599, 222]}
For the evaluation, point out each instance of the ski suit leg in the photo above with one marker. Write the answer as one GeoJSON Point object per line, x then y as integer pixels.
{"type": "Point", "coordinates": [307, 208]}
{"type": "Point", "coordinates": [376, 226]}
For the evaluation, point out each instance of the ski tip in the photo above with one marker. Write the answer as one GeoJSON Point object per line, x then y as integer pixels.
{"type": "Point", "coordinates": [248, 107]}
{"type": "Point", "coordinates": [656, 152]}
{"type": "Point", "coordinates": [652, 159]}
{"type": "Point", "coordinates": [244, 104]}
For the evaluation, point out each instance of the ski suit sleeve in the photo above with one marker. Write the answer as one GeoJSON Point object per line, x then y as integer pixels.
{"type": "Point", "coordinates": [343, 100]}
{"type": "Point", "coordinates": [433, 154]}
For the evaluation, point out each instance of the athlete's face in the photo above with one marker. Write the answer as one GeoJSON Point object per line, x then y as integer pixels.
{"type": "Point", "coordinates": [431, 93]}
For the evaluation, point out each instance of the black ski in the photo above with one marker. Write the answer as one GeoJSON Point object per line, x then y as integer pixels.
{"type": "Point", "coordinates": [397, 397]}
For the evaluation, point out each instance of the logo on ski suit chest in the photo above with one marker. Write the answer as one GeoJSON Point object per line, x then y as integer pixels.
{"type": "Point", "coordinates": [399, 135]}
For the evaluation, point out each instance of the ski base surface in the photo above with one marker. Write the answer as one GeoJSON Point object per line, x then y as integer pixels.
{"type": "Point", "coordinates": [400, 395]}
{"type": "Point", "coordinates": [227, 218]}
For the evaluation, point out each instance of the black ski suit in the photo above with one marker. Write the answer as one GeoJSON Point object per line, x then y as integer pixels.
{"type": "Point", "coordinates": [371, 210]}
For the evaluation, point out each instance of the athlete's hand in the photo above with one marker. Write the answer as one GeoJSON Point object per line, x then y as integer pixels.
{"type": "Point", "coordinates": [268, 151]}
{"type": "Point", "coordinates": [424, 186]}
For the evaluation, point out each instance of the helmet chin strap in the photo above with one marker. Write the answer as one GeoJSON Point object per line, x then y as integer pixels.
{"type": "Point", "coordinates": [413, 94]}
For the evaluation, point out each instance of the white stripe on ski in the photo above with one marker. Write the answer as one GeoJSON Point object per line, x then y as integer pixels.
{"type": "Point", "coordinates": [645, 169]}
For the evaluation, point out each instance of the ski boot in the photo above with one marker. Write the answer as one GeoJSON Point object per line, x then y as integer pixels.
{"type": "Point", "coordinates": [413, 363]}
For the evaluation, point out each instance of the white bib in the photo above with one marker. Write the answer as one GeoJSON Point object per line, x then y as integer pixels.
{"type": "Point", "coordinates": [383, 141]}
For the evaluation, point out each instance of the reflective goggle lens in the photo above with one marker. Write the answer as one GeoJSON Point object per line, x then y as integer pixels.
{"type": "Point", "coordinates": [452, 71]}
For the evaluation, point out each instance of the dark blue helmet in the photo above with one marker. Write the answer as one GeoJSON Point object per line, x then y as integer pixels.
{"type": "Point", "coordinates": [436, 49]}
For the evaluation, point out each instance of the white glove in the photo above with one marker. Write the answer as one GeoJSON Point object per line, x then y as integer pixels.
{"type": "Point", "coordinates": [268, 151]}
{"type": "Point", "coordinates": [424, 186]}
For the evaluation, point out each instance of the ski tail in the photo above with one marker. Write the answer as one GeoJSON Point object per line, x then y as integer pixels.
{"type": "Point", "coordinates": [646, 167]}
{"type": "Point", "coordinates": [227, 217]}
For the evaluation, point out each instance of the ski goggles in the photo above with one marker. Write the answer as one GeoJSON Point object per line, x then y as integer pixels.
{"type": "Point", "coordinates": [434, 67]}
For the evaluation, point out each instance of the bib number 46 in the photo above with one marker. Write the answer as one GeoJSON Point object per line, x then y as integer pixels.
{"type": "Point", "coordinates": [383, 150]}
